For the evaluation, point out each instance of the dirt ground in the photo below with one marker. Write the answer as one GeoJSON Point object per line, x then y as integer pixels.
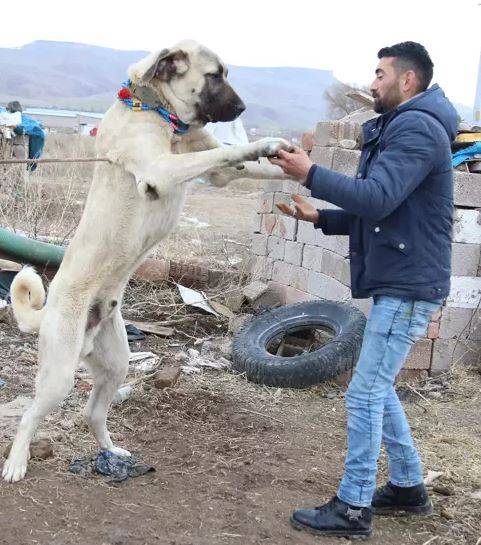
{"type": "Point", "coordinates": [232, 458]}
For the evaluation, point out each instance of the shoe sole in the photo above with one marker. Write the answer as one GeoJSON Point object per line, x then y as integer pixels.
{"type": "Point", "coordinates": [404, 511]}
{"type": "Point", "coordinates": [328, 533]}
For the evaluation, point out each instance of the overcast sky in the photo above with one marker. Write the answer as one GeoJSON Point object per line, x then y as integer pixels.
{"type": "Point", "coordinates": [343, 36]}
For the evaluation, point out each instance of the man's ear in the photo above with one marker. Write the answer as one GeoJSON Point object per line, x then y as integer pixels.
{"type": "Point", "coordinates": [166, 65]}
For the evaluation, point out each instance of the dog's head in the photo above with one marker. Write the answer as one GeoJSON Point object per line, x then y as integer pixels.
{"type": "Point", "coordinates": [192, 79]}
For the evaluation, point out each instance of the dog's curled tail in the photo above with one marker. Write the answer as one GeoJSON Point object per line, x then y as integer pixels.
{"type": "Point", "coordinates": [28, 298]}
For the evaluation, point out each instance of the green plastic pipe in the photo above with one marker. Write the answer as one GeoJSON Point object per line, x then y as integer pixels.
{"type": "Point", "coordinates": [26, 250]}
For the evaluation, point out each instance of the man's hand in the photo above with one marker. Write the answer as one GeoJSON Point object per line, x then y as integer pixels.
{"type": "Point", "coordinates": [301, 210]}
{"type": "Point", "coordinates": [295, 164]}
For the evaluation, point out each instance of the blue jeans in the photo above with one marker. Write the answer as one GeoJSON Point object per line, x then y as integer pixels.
{"type": "Point", "coordinates": [374, 412]}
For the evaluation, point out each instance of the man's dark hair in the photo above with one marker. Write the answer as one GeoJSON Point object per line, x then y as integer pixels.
{"type": "Point", "coordinates": [411, 56]}
{"type": "Point", "coordinates": [13, 107]}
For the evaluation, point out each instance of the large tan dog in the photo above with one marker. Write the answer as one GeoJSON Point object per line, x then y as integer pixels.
{"type": "Point", "coordinates": [134, 201]}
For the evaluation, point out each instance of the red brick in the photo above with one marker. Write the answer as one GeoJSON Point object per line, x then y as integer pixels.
{"type": "Point", "coordinates": [420, 355]}
{"type": "Point", "coordinates": [433, 330]}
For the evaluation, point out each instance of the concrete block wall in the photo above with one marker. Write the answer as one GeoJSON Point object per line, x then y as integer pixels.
{"type": "Point", "coordinates": [302, 264]}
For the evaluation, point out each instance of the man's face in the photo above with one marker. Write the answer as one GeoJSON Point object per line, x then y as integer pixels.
{"type": "Point", "coordinates": [386, 87]}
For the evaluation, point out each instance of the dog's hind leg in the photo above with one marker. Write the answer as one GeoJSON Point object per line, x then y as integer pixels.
{"type": "Point", "coordinates": [59, 349]}
{"type": "Point", "coordinates": [108, 362]}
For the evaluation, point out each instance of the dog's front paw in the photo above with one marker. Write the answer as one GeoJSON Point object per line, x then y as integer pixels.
{"type": "Point", "coordinates": [270, 147]}
{"type": "Point", "coordinates": [14, 469]}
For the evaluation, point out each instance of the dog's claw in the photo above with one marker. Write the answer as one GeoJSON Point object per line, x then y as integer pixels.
{"type": "Point", "coordinates": [118, 451]}
{"type": "Point", "coordinates": [13, 472]}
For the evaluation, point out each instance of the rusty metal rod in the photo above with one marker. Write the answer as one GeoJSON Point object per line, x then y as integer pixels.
{"type": "Point", "coordinates": [82, 160]}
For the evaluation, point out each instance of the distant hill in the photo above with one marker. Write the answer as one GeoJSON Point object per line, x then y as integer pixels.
{"type": "Point", "coordinates": [80, 76]}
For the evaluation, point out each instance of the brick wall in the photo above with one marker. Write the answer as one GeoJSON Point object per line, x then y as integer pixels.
{"type": "Point", "coordinates": [301, 263]}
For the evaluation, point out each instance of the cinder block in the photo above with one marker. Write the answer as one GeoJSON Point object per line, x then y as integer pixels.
{"type": "Point", "coordinates": [261, 268]}
{"type": "Point", "coordinates": [420, 355]}
{"type": "Point", "coordinates": [460, 323]}
{"type": "Point", "coordinates": [321, 205]}
{"type": "Point", "coordinates": [447, 352]}
{"type": "Point", "coordinates": [336, 266]}
{"type": "Point", "coordinates": [282, 272]}
{"type": "Point", "coordinates": [467, 226]}
{"type": "Point", "coordinates": [364, 305]}
{"type": "Point", "coordinates": [465, 259]}
{"type": "Point", "coordinates": [275, 248]}
{"type": "Point", "coordinates": [271, 186]}
{"type": "Point", "coordinates": [465, 292]}
{"type": "Point", "coordinates": [268, 223]}
{"type": "Point", "coordinates": [306, 232]}
{"type": "Point", "coordinates": [322, 156]}
{"type": "Point", "coordinates": [346, 161]}
{"type": "Point", "coordinates": [433, 330]}
{"type": "Point", "coordinates": [265, 203]}
{"type": "Point", "coordinates": [293, 252]}
{"type": "Point", "coordinates": [412, 375]}
{"type": "Point", "coordinates": [293, 295]}
{"type": "Point", "coordinates": [281, 198]}
{"type": "Point", "coordinates": [328, 288]}
{"type": "Point", "coordinates": [285, 227]}
{"type": "Point", "coordinates": [337, 244]}
{"type": "Point", "coordinates": [292, 187]}
{"type": "Point", "coordinates": [299, 278]}
{"type": "Point", "coordinates": [259, 244]}
{"type": "Point", "coordinates": [326, 133]}
{"type": "Point", "coordinates": [312, 258]}
{"type": "Point", "coordinates": [467, 189]}
{"type": "Point", "coordinates": [256, 223]}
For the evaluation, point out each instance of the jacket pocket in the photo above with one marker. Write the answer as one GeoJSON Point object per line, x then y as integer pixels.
{"type": "Point", "coordinates": [389, 259]}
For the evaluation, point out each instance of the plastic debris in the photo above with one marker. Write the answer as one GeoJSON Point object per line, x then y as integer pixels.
{"type": "Point", "coordinates": [196, 299]}
{"type": "Point", "coordinates": [115, 468]}
{"type": "Point", "coordinates": [143, 362]}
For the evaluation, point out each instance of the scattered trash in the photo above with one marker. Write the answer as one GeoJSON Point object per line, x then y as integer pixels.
{"type": "Point", "coordinates": [185, 221]}
{"type": "Point", "coordinates": [197, 361]}
{"type": "Point", "coordinates": [196, 299]}
{"type": "Point", "coordinates": [2, 383]}
{"type": "Point", "coordinates": [217, 347]}
{"type": "Point", "coordinates": [167, 377]}
{"type": "Point", "coordinates": [106, 463]}
{"type": "Point", "coordinates": [133, 333]}
{"type": "Point", "coordinates": [143, 362]}
{"type": "Point", "coordinates": [39, 450]}
{"type": "Point", "coordinates": [122, 394]}
{"type": "Point", "coordinates": [152, 327]}
{"type": "Point", "coordinates": [431, 477]}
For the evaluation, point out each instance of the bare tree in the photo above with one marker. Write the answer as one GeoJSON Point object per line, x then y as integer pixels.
{"type": "Point", "coordinates": [338, 103]}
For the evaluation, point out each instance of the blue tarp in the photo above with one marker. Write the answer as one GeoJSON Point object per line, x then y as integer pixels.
{"type": "Point", "coordinates": [466, 153]}
{"type": "Point", "coordinates": [36, 137]}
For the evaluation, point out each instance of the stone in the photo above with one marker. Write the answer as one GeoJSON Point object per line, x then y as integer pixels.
{"type": "Point", "coordinates": [261, 267]}
{"type": "Point", "coordinates": [306, 232]}
{"type": "Point", "coordinates": [336, 266]}
{"type": "Point", "coordinates": [285, 227]}
{"type": "Point", "coordinates": [254, 290]}
{"type": "Point", "coordinates": [326, 133]}
{"type": "Point", "coordinates": [312, 258]}
{"type": "Point", "coordinates": [348, 144]}
{"type": "Point", "coordinates": [166, 377]}
{"type": "Point", "coordinates": [268, 223]}
{"type": "Point", "coordinates": [467, 226]}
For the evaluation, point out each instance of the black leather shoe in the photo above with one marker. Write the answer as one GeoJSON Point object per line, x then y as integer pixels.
{"type": "Point", "coordinates": [396, 500]}
{"type": "Point", "coordinates": [335, 518]}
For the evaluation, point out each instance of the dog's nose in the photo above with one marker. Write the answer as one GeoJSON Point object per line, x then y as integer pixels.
{"type": "Point", "coordinates": [240, 107]}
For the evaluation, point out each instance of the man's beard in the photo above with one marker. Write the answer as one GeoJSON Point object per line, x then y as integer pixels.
{"type": "Point", "coordinates": [391, 100]}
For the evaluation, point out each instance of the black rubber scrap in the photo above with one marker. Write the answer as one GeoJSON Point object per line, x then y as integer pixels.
{"type": "Point", "coordinates": [250, 354]}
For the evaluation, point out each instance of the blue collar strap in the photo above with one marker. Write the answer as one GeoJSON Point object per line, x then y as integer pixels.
{"type": "Point", "coordinates": [125, 95]}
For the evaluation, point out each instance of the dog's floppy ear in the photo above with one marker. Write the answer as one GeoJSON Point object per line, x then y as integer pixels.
{"type": "Point", "coordinates": [167, 64]}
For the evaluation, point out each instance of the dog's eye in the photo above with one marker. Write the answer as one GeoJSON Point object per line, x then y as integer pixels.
{"type": "Point", "coordinates": [216, 76]}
